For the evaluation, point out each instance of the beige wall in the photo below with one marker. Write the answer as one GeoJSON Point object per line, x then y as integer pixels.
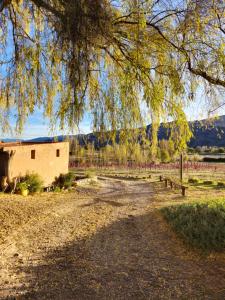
{"type": "Point", "coordinates": [46, 163]}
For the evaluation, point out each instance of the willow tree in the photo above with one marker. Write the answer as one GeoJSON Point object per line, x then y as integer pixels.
{"type": "Point", "coordinates": [108, 56]}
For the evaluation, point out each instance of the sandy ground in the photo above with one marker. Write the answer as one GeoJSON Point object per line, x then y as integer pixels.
{"type": "Point", "coordinates": [109, 243]}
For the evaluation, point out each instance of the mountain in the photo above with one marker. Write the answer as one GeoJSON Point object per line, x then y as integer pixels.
{"type": "Point", "coordinates": [211, 133]}
{"type": "Point", "coordinates": [207, 132]}
{"type": "Point", "coordinates": [6, 140]}
{"type": "Point", "coordinates": [44, 139]}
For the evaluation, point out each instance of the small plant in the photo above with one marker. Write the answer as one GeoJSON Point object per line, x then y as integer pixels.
{"type": "Point", "coordinates": [22, 186]}
{"type": "Point", "coordinates": [57, 189]}
{"type": "Point", "coordinates": [64, 181]}
{"type": "Point", "coordinates": [31, 182]}
{"type": "Point", "coordinates": [34, 182]}
{"type": "Point", "coordinates": [90, 174]}
{"type": "Point", "coordinates": [195, 158]}
{"type": "Point", "coordinates": [208, 182]}
{"type": "Point", "coordinates": [193, 180]}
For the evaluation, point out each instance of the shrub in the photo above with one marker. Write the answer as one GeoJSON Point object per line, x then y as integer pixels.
{"type": "Point", "coordinates": [199, 224]}
{"type": "Point", "coordinates": [213, 159]}
{"type": "Point", "coordinates": [194, 157]}
{"type": "Point", "coordinates": [208, 182]}
{"type": "Point", "coordinates": [193, 180]}
{"type": "Point", "coordinates": [221, 184]}
{"type": "Point", "coordinates": [33, 182]}
{"type": "Point", "coordinates": [56, 189]}
{"type": "Point", "coordinates": [64, 181]}
{"type": "Point", "coordinates": [90, 174]}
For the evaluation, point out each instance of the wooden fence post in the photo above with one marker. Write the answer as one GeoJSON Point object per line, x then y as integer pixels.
{"type": "Point", "coordinates": [183, 190]}
{"type": "Point", "coordinates": [181, 167]}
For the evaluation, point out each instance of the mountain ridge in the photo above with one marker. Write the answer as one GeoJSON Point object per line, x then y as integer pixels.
{"type": "Point", "coordinates": [207, 132]}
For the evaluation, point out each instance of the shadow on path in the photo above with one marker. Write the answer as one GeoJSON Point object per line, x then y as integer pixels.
{"type": "Point", "coordinates": [99, 200]}
{"type": "Point", "coordinates": [132, 258]}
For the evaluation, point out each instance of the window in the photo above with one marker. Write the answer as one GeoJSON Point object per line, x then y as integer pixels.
{"type": "Point", "coordinates": [57, 153]}
{"type": "Point", "coordinates": [32, 154]}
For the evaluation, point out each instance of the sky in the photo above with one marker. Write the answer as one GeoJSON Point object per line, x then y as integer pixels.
{"type": "Point", "coordinates": [37, 126]}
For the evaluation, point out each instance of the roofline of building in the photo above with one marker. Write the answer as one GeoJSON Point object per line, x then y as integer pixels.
{"type": "Point", "coordinates": [16, 144]}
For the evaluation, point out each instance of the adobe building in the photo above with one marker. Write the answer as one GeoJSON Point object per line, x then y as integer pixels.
{"type": "Point", "coordinates": [48, 160]}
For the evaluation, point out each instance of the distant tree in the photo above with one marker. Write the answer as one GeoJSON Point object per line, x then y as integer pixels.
{"type": "Point", "coordinates": [136, 153]}
{"type": "Point", "coordinates": [164, 155]}
{"type": "Point", "coordinates": [72, 146]}
{"type": "Point", "coordinates": [171, 149]}
{"type": "Point", "coordinates": [107, 153]}
{"type": "Point", "coordinates": [221, 150]}
{"type": "Point", "coordinates": [90, 152]}
{"type": "Point", "coordinates": [121, 153]}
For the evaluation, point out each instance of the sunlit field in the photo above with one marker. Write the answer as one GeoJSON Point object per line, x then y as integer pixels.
{"type": "Point", "coordinates": [201, 171]}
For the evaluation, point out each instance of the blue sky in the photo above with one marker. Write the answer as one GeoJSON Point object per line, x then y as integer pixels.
{"type": "Point", "coordinates": [37, 125]}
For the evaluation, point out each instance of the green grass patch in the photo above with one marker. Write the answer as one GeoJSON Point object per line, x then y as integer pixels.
{"type": "Point", "coordinates": [200, 224]}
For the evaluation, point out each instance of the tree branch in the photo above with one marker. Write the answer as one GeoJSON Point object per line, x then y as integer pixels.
{"type": "Point", "coordinates": [51, 9]}
{"type": "Point", "coordinates": [4, 4]}
{"type": "Point", "coordinates": [203, 74]}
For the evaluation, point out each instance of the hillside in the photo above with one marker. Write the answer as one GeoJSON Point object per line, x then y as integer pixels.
{"type": "Point", "coordinates": [207, 132]}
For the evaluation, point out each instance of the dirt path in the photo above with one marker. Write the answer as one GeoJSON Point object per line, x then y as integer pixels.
{"type": "Point", "coordinates": [109, 245]}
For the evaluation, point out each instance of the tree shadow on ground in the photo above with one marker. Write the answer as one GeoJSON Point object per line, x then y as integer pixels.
{"type": "Point", "coordinates": [99, 200]}
{"type": "Point", "coordinates": [132, 258]}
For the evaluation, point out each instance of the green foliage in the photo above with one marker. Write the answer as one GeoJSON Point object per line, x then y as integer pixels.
{"type": "Point", "coordinates": [208, 182]}
{"type": "Point", "coordinates": [221, 184]}
{"type": "Point", "coordinates": [214, 159]}
{"type": "Point", "coordinates": [57, 189]}
{"type": "Point", "coordinates": [193, 180]}
{"type": "Point", "coordinates": [199, 224]}
{"type": "Point", "coordinates": [194, 157]}
{"type": "Point", "coordinates": [33, 182]}
{"type": "Point", "coordinates": [165, 157]}
{"type": "Point", "coordinates": [121, 153]}
{"type": "Point", "coordinates": [90, 174]}
{"type": "Point", "coordinates": [64, 181]}
{"type": "Point", "coordinates": [221, 150]}
{"type": "Point", "coordinates": [22, 186]}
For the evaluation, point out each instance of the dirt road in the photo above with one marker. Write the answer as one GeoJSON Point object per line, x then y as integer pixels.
{"type": "Point", "coordinates": [111, 244]}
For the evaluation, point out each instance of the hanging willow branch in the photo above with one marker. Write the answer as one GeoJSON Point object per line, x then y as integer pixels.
{"type": "Point", "coordinates": [70, 56]}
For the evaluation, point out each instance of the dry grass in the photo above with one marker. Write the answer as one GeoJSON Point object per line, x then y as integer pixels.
{"type": "Point", "coordinates": [110, 243]}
